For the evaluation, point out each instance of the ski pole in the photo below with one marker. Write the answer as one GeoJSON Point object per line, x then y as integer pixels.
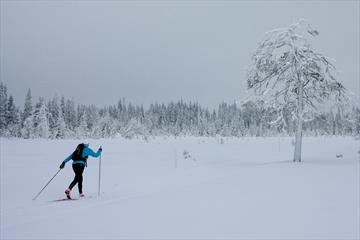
{"type": "Point", "coordinates": [47, 184]}
{"type": "Point", "coordinates": [99, 174]}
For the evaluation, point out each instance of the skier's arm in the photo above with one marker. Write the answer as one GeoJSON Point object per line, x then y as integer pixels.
{"type": "Point", "coordinates": [65, 161]}
{"type": "Point", "coordinates": [68, 158]}
{"type": "Point", "coordinates": [89, 152]}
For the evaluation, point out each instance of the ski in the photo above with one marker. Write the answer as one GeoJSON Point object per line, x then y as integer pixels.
{"type": "Point", "coordinates": [69, 199]}
{"type": "Point", "coordinates": [64, 199]}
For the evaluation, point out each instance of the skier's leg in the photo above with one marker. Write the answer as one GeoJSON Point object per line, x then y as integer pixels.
{"type": "Point", "coordinates": [80, 184]}
{"type": "Point", "coordinates": [72, 184]}
{"type": "Point", "coordinates": [76, 178]}
{"type": "Point", "coordinates": [80, 180]}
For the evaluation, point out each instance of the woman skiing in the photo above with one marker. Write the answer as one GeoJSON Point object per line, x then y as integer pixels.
{"type": "Point", "coordinates": [79, 157]}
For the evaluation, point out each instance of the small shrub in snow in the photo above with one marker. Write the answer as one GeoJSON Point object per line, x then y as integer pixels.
{"type": "Point", "coordinates": [186, 155]}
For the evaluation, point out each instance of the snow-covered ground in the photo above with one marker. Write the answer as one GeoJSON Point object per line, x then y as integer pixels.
{"type": "Point", "coordinates": [184, 188]}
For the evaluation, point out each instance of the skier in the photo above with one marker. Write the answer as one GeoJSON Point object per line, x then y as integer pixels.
{"type": "Point", "coordinates": [79, 157]}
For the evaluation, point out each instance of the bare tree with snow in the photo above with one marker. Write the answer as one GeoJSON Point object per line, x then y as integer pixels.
{"type": "Point", "coordinates": [288, 74]}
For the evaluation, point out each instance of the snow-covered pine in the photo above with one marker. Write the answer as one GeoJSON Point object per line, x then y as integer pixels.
{"type": "Point", "coordinates": [27, 131]}
{"type": "Point", "coordinates": [70, 114]}
{"type": "Point", "coordinates": [28, 108]}
{"type": "Point", "coordinates": [289, 75]}
{"type": "Point", "coordinates": [3, 108]}
{"type": "Point", "coordinates": [53, 116]}
{"type": "Point", "coordinates": [12, 119]}
{"type": "Point", "coordinates": [60, 130]}
{"type": "Point", "coordinates": [106, 126]}
{"type": "Point", "coordinates": [40, 120]}
{"type": "Point", "coordinates": [82, 129]}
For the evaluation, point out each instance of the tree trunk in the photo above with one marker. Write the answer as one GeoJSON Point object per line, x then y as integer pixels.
{"type": "Point", "coordinates": [298, 136]}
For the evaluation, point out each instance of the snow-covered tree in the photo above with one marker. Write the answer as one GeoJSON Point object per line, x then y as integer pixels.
{"type": "Point", "coordinates": [3, 108]}
{"type": "Point", "coordinates": [357, 121]}
{"type": "Point", "coordinates": [28, 107]}
{"type": "Point", "coordinates": [12, 119]}
{"type": "Point", "coordinates": [92, 119]}
{"type": "Point", "coordinates": [53, 115]}
{"type": "Point", "coordinates": [287, 72]}
{"type": "Point", "coordinates": [107, 126]}
{"type": "Point", "coordinates": [40, 120]}
{"type": "Point", "coordinates": [59, 130]}
{"type": "Point", "coordinates": [134, 128]}
{"type": "Point", "coordinates": [82, 130]}
{"type": "Point", "coordinates": [27, 130]}
{"type": "Point", "coordinates": [70, 114]}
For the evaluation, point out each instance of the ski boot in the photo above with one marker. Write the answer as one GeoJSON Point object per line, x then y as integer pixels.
{"type": "Point", "coordinates": [67, 192]}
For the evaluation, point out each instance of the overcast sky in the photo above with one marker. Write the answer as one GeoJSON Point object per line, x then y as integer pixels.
{"type": "Point", "coordinates": [100, 51]}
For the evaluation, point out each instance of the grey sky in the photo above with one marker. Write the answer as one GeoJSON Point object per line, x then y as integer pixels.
{"type": "Point", "coordinates": [147, 51]}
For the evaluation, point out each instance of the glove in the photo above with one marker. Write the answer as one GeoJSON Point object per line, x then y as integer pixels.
{"type": "Point", "coordinates": [62, 165]}
{"type": "Point", "coordinates": [100, 149]}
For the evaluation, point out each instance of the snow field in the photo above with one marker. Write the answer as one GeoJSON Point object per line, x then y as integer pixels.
{"type": "Point", "coordinates": [233, 188]}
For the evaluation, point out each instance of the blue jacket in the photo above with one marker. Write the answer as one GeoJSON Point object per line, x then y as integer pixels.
{"type": "Point", "coordinates": [85, 154]}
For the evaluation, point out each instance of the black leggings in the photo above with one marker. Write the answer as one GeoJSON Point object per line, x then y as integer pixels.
{"type": "Point", "coordinates": [78, 179]}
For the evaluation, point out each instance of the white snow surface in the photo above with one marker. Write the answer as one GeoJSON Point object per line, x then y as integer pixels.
{"type": "Point", "coordinates": [238, 188]}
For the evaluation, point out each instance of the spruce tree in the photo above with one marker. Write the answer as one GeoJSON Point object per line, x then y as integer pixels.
{"type": "Point", "coordinates": [3, 108]}
{"type": "Point", "coordinates": [41, 124]}
{"type": "Point", "coordinates": [28, 107]}
{"type": "Point", "coordinates": [12, 118]}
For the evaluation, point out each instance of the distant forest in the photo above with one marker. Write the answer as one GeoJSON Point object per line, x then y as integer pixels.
{"type": "Point", "coordinates": [63, 118]}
